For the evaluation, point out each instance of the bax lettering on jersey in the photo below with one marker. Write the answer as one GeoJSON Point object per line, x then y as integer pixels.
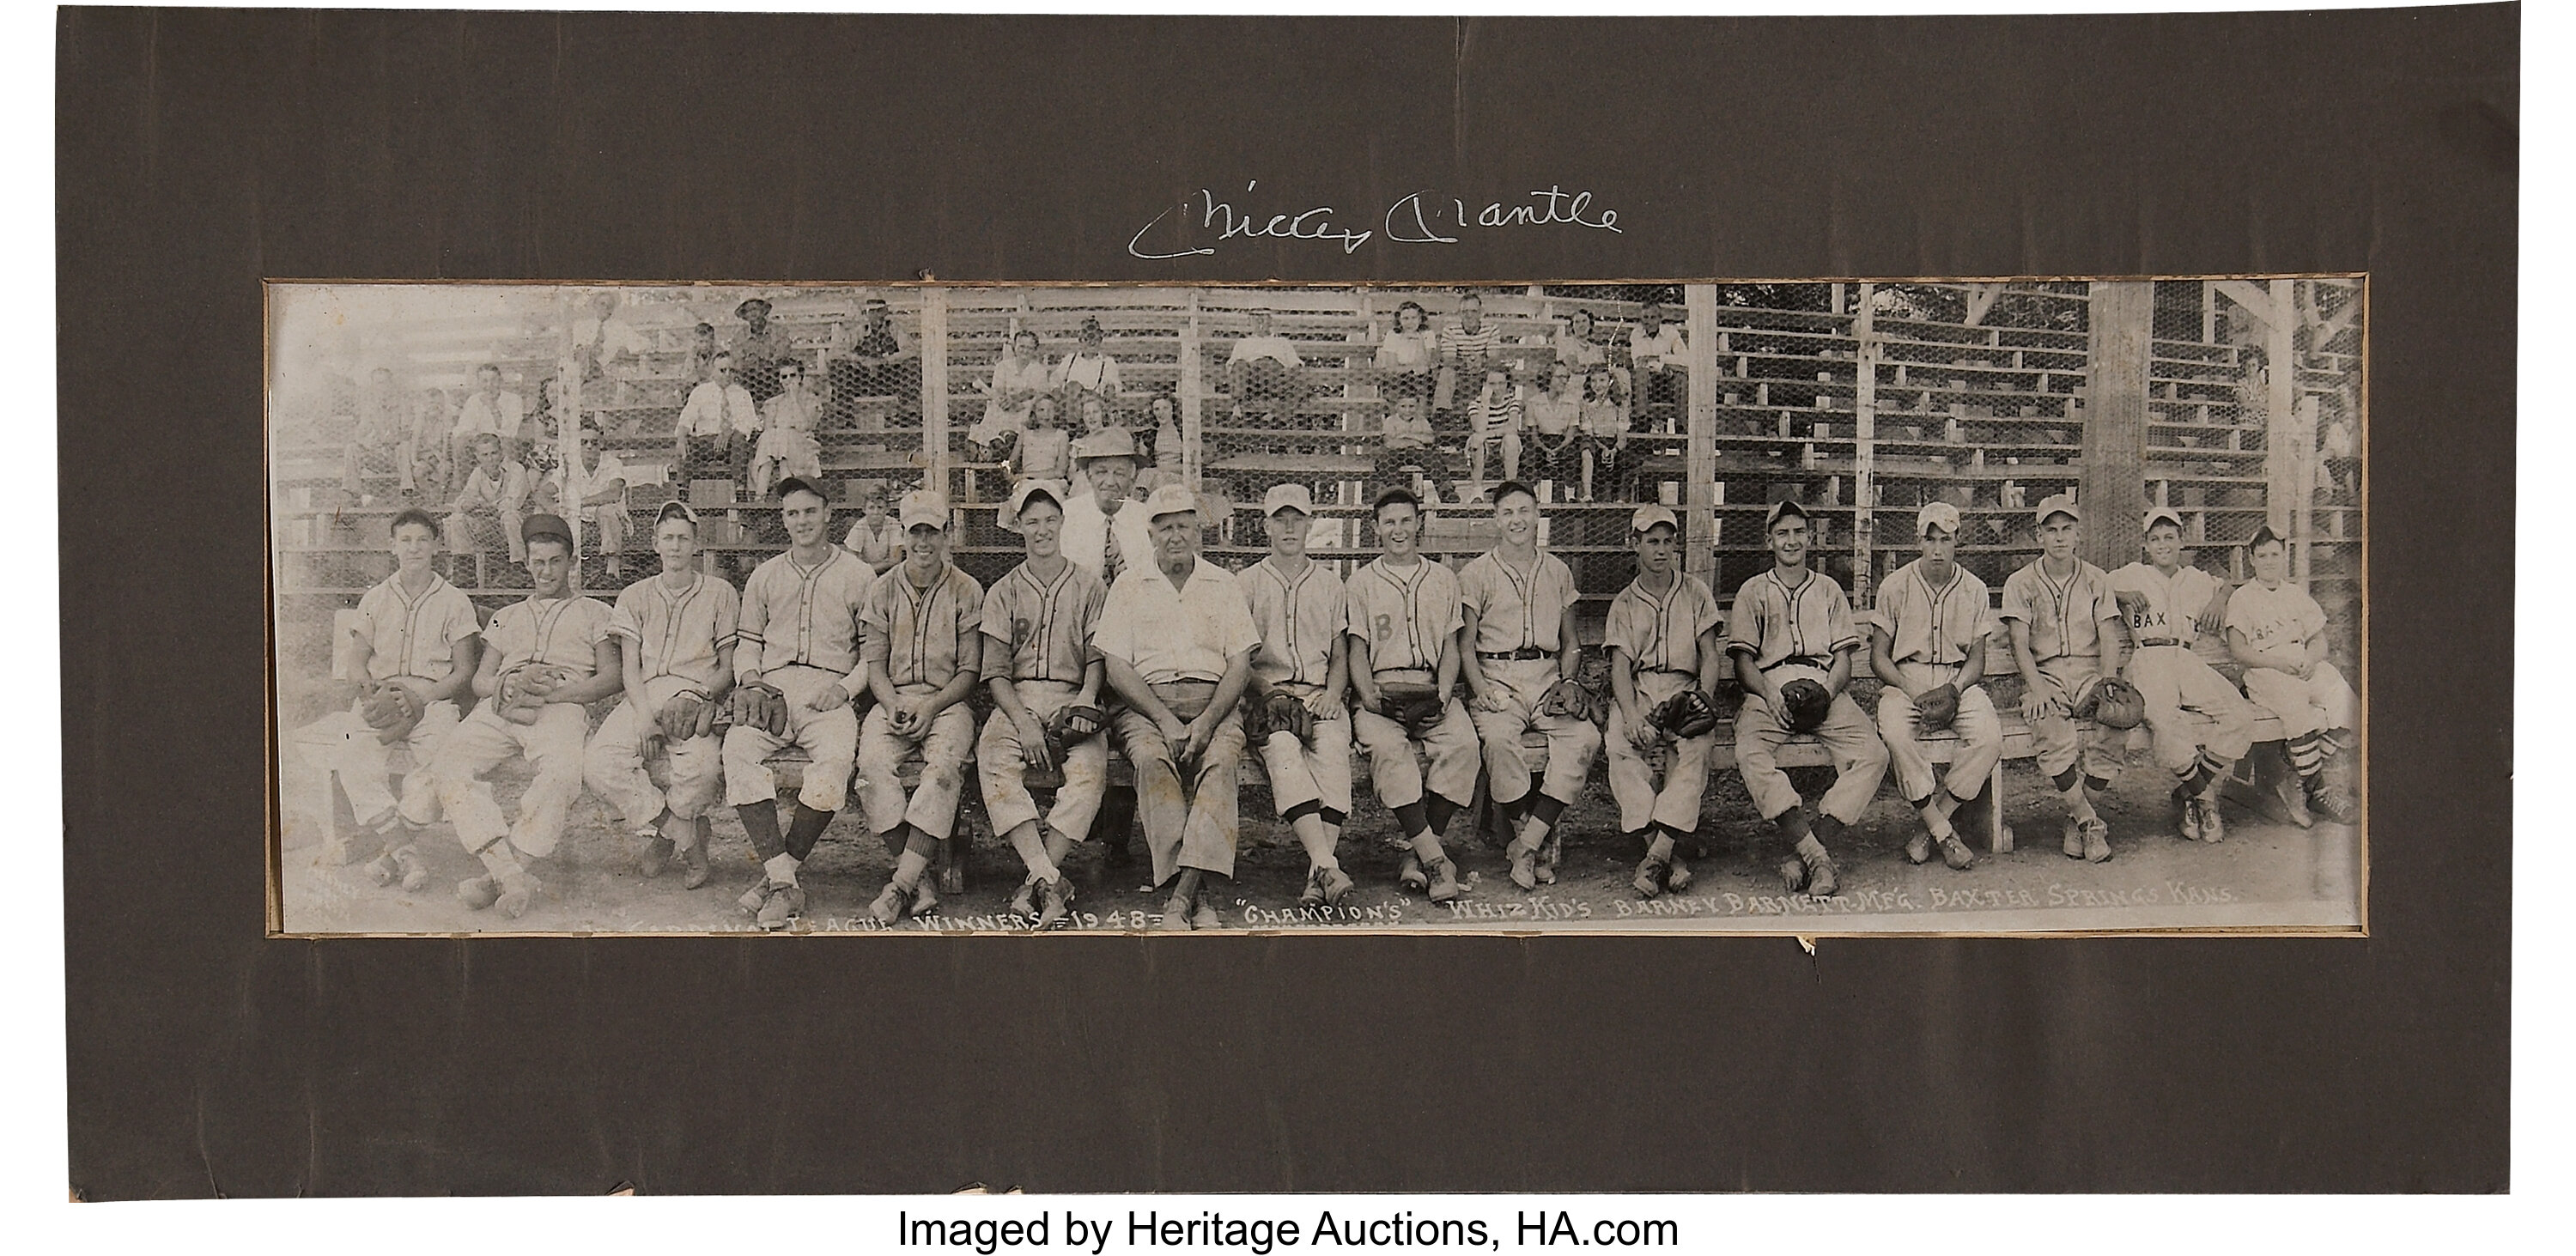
{"type": "Point", "coordinates": [1204, 223]}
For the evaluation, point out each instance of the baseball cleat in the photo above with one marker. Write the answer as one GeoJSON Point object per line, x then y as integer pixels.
{"type": "Point", "coordinates": [1956, 854]}
{"type": "Point", "coordinates": [695, 860]}
{"type": "Point", "coordinates": [1055, 902]}
{"type": "Point", "coordinates": [1313, 895]}
{"type": "Point", "coordinates": [2336, 805]}
{"type": "Point", "coordinates": [518, 894]}
{"type": "Point", "coordinates": [1650, 877]}
{"type": "Point", "coordinates": [385, 870]}
{"type": "Point", "coordinates": [2212, 829]}
{"type": "Point", "coordinates": [1793, 875]}
{"type": "Point", "coordinates": [755, 898]}
{"type": "Point", "coordinates": [2097, 840]}
{"type": "Point", "coordinates": [889, 906]}
{"type": "Point", "coordinates": [2190, 822]}
{"type": "Point", "coordinates": [655, 857]}
{"type": "Point", "coordinates": [2074, 838]}
{"type": "Point", "coordinates": [414, 869]}
{"type": "Point", "coordinates": [1176, 914]}
{"type": "Point", "coordinates": [1408, 873]}
{"type": "Point", "coordinates": [477, 893]}
{"type": "Point", "coordinates": [1821, 881]}
{"type": "Point", "coordinates": [1524, 864]}
{"type": "Point", "coordinates": [925, 897]}
{"type": "Point", "coordinates": [1549, 852]}
{"type": "Point", "coordinates": [1204, 917]}
{"type": "Point", "coordinates": [1918, 848]}
{"type": "Point", "coordinates": [1024, 902]}
{"type": "Point", "coordinates": [1336, 884]}
{"type": "Point", "coordinates": [786, 903]}
{"type": "Point", "coordinates": [1679, 879]}
{"type": "Point", "coordinates": [1444, 881]}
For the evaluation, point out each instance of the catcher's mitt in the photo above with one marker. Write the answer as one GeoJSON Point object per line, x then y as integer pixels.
{"type": "Point", "coordinates": [1686, 714]}
{"type": "Point", "coordinates": [2112, 703]}
{"type": "Point", "coordinates": [1071, 726]}
{"type": "Point", "coordinates": [1281, 712]}
{"type": "Point", "coordinates": [1418, 707]}
{"type": "Point", "coordinates": [523, 691]}
{"type": "Point", "coordinates": [760, 706]}
{"type": "Point", "coordinates": [1937, 707]}
{"type": "Point", "coordinates": [390, 708]}
{"type": "Point", "coordinates": [1807, 703]}
{"type": "Point", "coordinates": [688, 714]}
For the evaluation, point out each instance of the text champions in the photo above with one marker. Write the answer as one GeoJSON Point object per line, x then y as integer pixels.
{"type": "Point", "coordinates": [1197, 226]}
{"type": "Point", "coordinates": [1258, 1236]}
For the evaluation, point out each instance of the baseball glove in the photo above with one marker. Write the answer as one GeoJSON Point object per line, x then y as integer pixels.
{"type": "Point", "coordinates": [1807, 704]}
{"type": "Point", "coordinates": [760, 706]}
{"type": "Point", "coordinates": [1281, 712]}
{"type": "Point", "coordinates": [1567, 697]}
{"type": "Point", "coordinates": [523, 691]}
{"type": "Point", "coordinates": [390, 708]}
{"type": "Point", "coordinates": [1418, 707]}
{"type": "Point", "coordinates": [1937, 707]}
{"type": "Point", "coordinates": [2112, 703]}
{"type": "Point", "coordinates": [1071, 726]}
{"type": "Point", "coordinates": [1686, 714]}
{"type": "Point", "coordinates": [688, 714]}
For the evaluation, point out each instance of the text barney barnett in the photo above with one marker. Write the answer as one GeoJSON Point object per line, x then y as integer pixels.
{"type": "Point", "coordinates": [1261, 1235]}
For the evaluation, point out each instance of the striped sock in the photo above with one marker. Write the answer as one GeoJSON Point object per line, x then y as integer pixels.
{"type": "Point", "coordinates": [2308, 753]}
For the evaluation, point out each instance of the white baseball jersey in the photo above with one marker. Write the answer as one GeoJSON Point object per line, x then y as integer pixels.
{"type": "Point", "coordinates": [2275, 617]}
{"type": "Point", "coordinates": [1404, 613]}
{"type": "Point", "coordinates": [2172, 602]}
{"type": "Point", "coordinates": [1516, 609]}
{"type": "Point", "coordinates": [1298, 620]}
{"type": "Point", "coordinates": [414, 636]}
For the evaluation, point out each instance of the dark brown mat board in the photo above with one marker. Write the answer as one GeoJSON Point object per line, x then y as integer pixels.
{"type": "Point", "coordinates": [200, 152]}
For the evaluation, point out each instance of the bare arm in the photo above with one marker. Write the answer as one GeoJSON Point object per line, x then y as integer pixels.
{"type": "Point", "coordinates": [1469, 667]}
{"type": "Point", "coordinates": [1838, 676]}
{"type": "Point", "coordinates": [1445, 672]}
{"type": "Point", "coordinates": [487, 674]}
{"type": "Point", "coordinates": [633, 680]}
{"type": "Point", "coordinates": [1973, 669]}
{"type": "Point", "coordinates": [1882, 661]}
{"type": "Point", "coordinates": [1623, 690]}
{"type": "Point", "coordinates": [607, 675]}
{"type": "Point", "coordinates": [1750, 674]}
{"type": "Point", "coordinates": [1337, 676]}
{"type": "Point", "coordinates": [1712, 660]}
{"type": "Point", "coordinates": [1363, 676]}
{"type": "Point", "coordinates": [1131, 688]}
{"type": "Point", "coordinates": [459, 680]}
{"type": "Point", "coordinates": [970, 661]}
{"type": "Point", "coordinates": [1569, 655]}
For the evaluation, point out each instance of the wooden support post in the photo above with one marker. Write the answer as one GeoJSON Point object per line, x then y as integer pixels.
{"type": "Point", "coordinates": [1192, 383]}
{"type": "Point", "coordinates": [568, 422]}
{"type": "Point", "coordinates": [1864, 446]}
{"type": "Point", "coordinates": [1699, 485]}
{"type": "Point", "coordinates": [2113, 491]}
{"type": "Point", "coordinates": [933, 459]}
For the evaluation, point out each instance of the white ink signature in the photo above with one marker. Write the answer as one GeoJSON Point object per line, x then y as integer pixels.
{"type": "Point", "coordinates": [1415, 218]}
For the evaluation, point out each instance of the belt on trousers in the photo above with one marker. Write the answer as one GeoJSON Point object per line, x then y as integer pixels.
{"type": "Point", "coordinates": [2157, 641]}
{"type": "Point", "coordinates": [1186, 698]}
{"type": "Point", "coordinates": [1421, 675]}
{"type": "Point", "coordinates": [1525, 652]}
{"type": "Point", "coordinates": [1803, 660]}
{"type": "Point", "coordinates": [1669, 671]}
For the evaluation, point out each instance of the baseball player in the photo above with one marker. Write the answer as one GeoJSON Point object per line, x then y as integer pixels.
{"type": "Point", "coordinates": [1176, 641]}
{"type": "Point", "coordinates": [544, 660]}
{"type": "Point", "coordinates": [1792, 624]}
{"type": "Point", "coordinates": [797, 673]}
{"type": "Point", "coordinates": [675, 634]}
{"type": "Point", "coordinates": [2065, 638]}
{"type": "Point", "coordinates": [1038, 620]}
{"type": "Point", "coordinates": [1664, 641]}
{"type": "Point", "coordinates": [1520, 624]}
{"type": "Point", "coordinates": [1301, 611]}
{"type": "Point", "coordinates": [1404, 631]}
{"type": "Point", "coordinates": [415, 641]}
{"type": "Point", "coordinates": [2279, 633]}
{"type": "Point", "coordinates": [1929, 647]}
{"type": "Point", "coordinates": [2200, 723]}
{"type": "Point", "coordinates": [921, 633]}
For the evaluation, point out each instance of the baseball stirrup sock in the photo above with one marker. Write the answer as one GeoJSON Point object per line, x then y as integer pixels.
{"type": "Point", "coordinates": [760, 824]}
{"type": "Point", "coordinates": [1333, 818]}
{"type": "Point", "coordinates": [2097, 784]}
{"type": "Point", "coordinates": [1546, 810]}
{"type": "Point", "coordinates": [1438, 810]}
{"type": "Point", "coordinates": [1794, 823]}
{"type": "Point", "coordinates": [1301, 811]}
{"type": "Point", "coordinates": [805, 830]}
{"type": "Point", "coordinates": [1411, 819]}
{"type": "Point", "coordinates": [2067, 779]}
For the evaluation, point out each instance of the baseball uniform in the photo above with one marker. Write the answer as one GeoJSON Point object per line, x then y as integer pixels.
{"type": "Point", "coordinates": [563, 632]}
{"type": "Point", "coordinates": [2284, 617]}
{"type": "Point", "coordinates": [410, 638]}
{"type": "Point", "coordinates": [800, 633]}
{"type": "Point", "coordinates": [678, 633]}
{"type": "Point", "coordinates": [2197, 718]}
{"type": "Point", "coordinates": [1659, 637]}
{"type": "Point", "coordinates": [1518, 614]}
{"type": "Point", "coordinates": [2065, 618]}
{"type": "Point", "coordinates": [1792, 625]}
{"type": "Point", "coordinates": [1298, 619]}
{"type": "Point", "coordinates": [1040, 630]}
{"type": "Point", "coordinates": [1180, 641]}
{"type": "Point", "coordinates": [1404, 615]}
{"type": "Point", "coordinates": [915, 633]}
{"type": "Point", "coordinates": [1930, 630]}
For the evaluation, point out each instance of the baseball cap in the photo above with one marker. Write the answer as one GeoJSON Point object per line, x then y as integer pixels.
{"type": "Point", "coordinates": [1051, 490]}
{"type": "Point", "coordinates": [541, 527]}
{"type": "Point", "coordinates": [798, 484]}
{"type": "Point", "coordinates": [2162, 514]}
{"type": "Point", "coordinates": [1171, 499]}
{"type": "Point", "coordinates": [674, 508]}
{"type": "Point", "coordinates": [1108, 442]}
{"type": "Point", "coordinates": [1648, 516]}
{"type": "Point", "coordinates": [1288, 497]}
{"type": "Point", "coordinates": [2061, 504]}
{"type": "Point", "coordinates": [924, 508]}
{"type": "Point", "coordinates": [1780, 509]}
{"type": "Point", "coordinates": [1942, 513]}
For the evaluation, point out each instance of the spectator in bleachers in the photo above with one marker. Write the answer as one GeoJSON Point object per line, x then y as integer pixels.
{"type": "Point", "coordinates": [759, 349]}
{"type": "Point", "coordinates": [433, 446]}
{"type": "Point", "coordinates": [1103, 532]}
{"type": "Point", "coordinates": [717, 424]}
{"type": "Point", "coordinates": [1406, 356]}
{"type": "Point", "coordinates": [1019, 378]}
{"type": "Point", "coordinates": [1161, 432]}
{"type": "Point", "coordinates": [1089, 368]}
{"type": "Point", "coordinates": [1464, 349]}
{"type": "Point", "coordinates": [1655, 353]}
{"type": "Point", "coordinates": [887, 362]}
{"type": "Point", "coordinates": [491, 408]}
{"type": "Point", "coordinates": [787, 445]}
{"type": "Point", "coordinates": [1553, 407]}
{"type": "Point", "coordinates": [609, 344]}
{"type": "Point", "coordinates": [1603, 423]}
{"type": "Point", "coordinates": [543, 454]}
{"type": "Point", "coordinates": [1264, 371]}
{"type": "Point", "coordinates": [382, 441]}
{"type": "Point", "coordinates": [1494, 418]}
{"type": "Point", "coordinates": [702, 351]}
{"type": "Point", "coordinates": [1043, 450]}
{"type": "Point", "coordinates": [494, 499]}
{"type": "Point", "coordinates": [1409, 443]}
{"type": "Point", "coordinates": [595, 493]}
{"type": "Point", "coordinates": [874, 539]}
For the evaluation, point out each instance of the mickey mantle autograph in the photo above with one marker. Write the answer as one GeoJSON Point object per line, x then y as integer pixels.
{"type": "Point", "coordinates": [1415, 218]}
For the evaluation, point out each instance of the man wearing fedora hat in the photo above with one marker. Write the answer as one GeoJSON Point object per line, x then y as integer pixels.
{"type": "Point", "coordinates": [676, 634]}
{"type": "Point", "coordinates": [1176, 640]}
{"type": "Point", "coordinates": [1103, 530]}
{"type": "Point", "coordinates": [1929, 648]}
{"type": "Point", "coordinates": [759, 349]}
{"type": "Point", "coordinates": [1301, 612]}
{"type": "Point", "coordinates": [922, 637]}
{"type": "Point", "coordinates": [553, 652]}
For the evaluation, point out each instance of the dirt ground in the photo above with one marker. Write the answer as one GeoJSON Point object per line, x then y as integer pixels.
{"type": "Point", "coordinates": [2266, 874]}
